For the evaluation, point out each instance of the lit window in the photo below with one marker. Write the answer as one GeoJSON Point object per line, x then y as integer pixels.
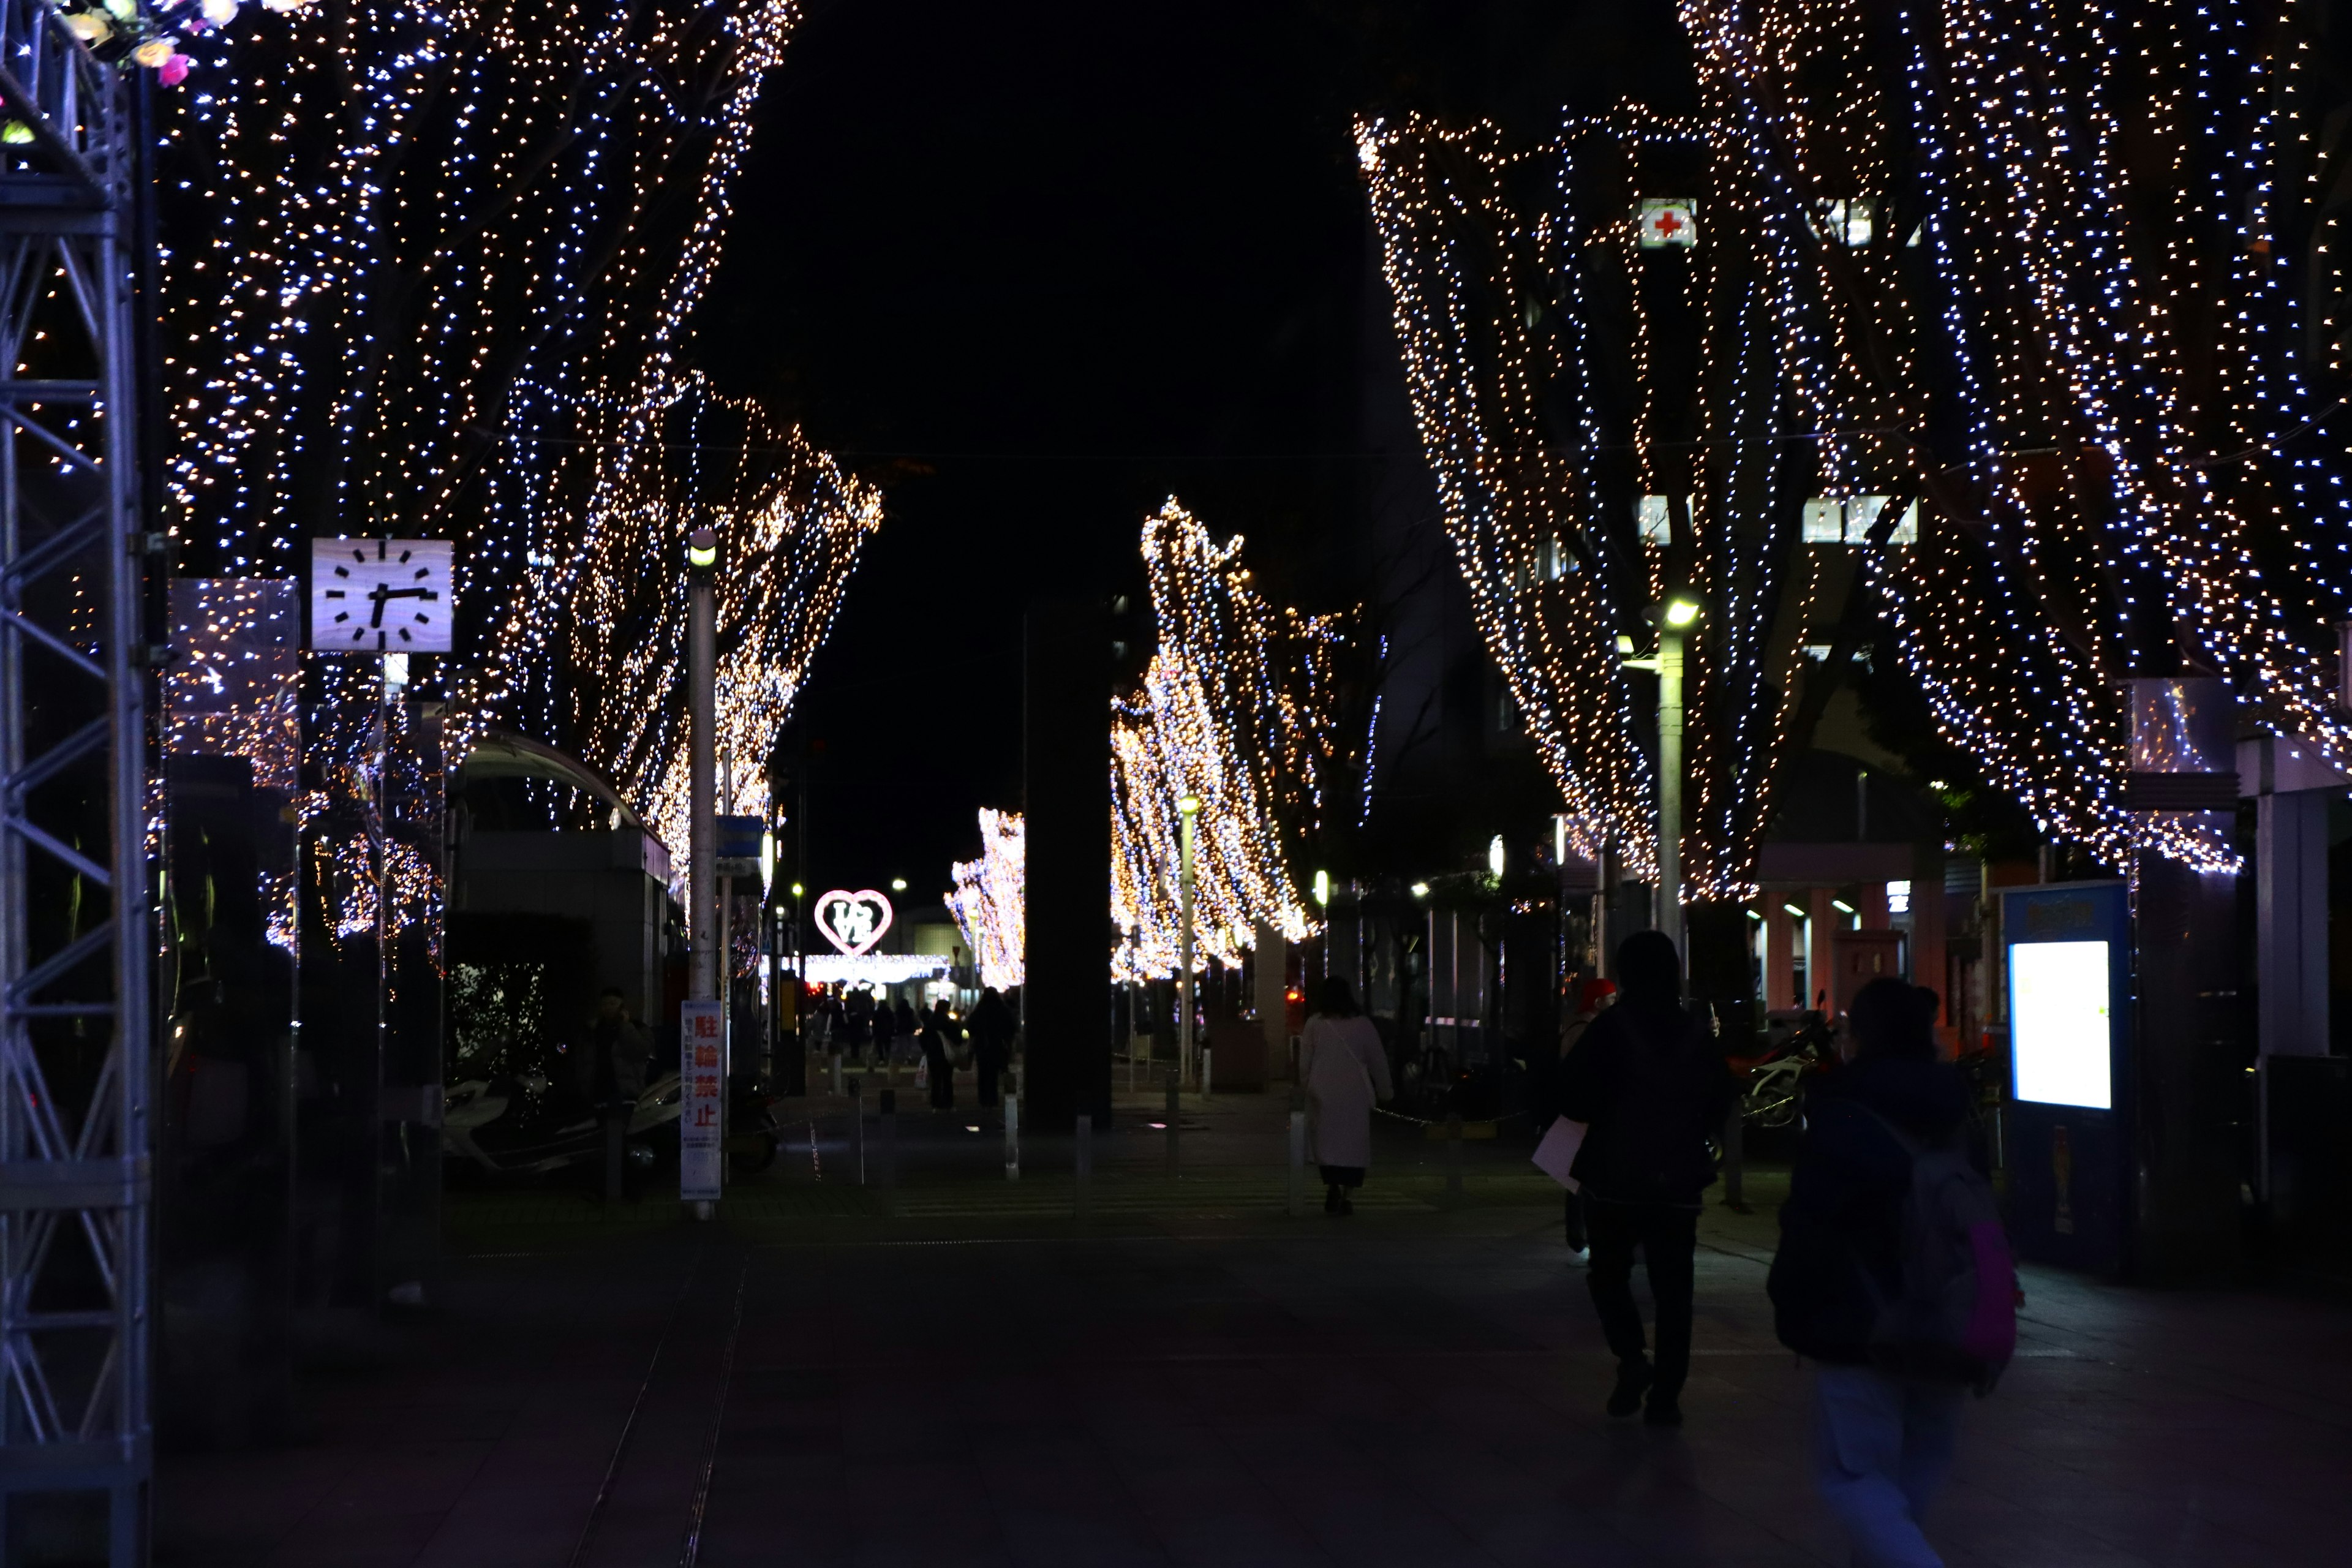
{"type": "Point", "coordinates": [1847, 219]}
{"type": "Point", "coordinates": [1657, 521]}
{"type": "Point", "coordinates": [1824, 521]}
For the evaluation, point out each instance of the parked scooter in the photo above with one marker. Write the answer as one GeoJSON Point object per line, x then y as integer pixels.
{"type": "Point", "coordinates": [1776, 1080]}
{"type": "Point", "coordinates": [516, 1126]}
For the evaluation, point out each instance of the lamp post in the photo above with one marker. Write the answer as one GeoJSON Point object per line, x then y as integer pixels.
{"type": "Point", "coordinates": [1188, 811]}
{"type": "Point", "coordinates": [702, 663]}
{"type": "Point", "coordinates": [1676, 618]}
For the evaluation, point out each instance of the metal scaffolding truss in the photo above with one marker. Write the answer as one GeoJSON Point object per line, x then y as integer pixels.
{"type": "Point", "coordinates": [76, 1057]}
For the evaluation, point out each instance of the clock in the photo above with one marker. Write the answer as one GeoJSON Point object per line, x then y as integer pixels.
{"type": "Point", "coordinates": [380, 596]}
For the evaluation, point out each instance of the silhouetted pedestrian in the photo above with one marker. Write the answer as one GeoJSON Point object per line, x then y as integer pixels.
{"type": "Point", "coordinates": [991, 1027]}
{"type": "Point", "coordinates": [1595, 998]}
{"type": "Point", "coordinates": [937, 1034]}
{"type": "Point", "coordinates": [1882, 1438]}
{"type": "Point", "coordinates": [1346, 1071]}
{"type": "Point", "coordinates": [1650, 1086]}
{"type": "Point", "coordinates": [612, 1077]}
{"type": "Point", "coordinates": [885, 1025]}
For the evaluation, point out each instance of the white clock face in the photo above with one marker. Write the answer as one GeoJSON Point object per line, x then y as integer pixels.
{"type": "Point", "coordinates": [380, 596]}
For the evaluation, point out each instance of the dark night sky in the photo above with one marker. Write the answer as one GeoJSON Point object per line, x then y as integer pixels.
{"type": "Point", "coordinates": [1034, 268]}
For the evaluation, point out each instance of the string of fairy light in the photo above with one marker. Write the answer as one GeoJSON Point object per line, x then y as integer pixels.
{"type": "Point", "coordinates": [989, 900]}
{"type": "Point", "coordinates": [1239, 710]}
{"type": "Point", "coordinates": [1496, 309]}
{"type": "Point", "coordinates": [1942, 263]}
{"type": "Point", "coordinates": [432, 272]}
{"type": "Point", "coordinates": [2125, 375]}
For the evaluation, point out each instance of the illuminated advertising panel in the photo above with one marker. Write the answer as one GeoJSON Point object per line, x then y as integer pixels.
{"type": "Point", "coordinates": [2061, 1026]}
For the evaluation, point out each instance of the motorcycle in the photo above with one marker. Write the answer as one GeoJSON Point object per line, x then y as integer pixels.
{"type": "Point", "coordinates": [527, 1125]}
{"type": "Point", "coordinates": [1775, 1081]}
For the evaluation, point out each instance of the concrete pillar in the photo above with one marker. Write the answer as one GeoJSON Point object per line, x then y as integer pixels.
{"type": "Point", "coordinates": [1928, 961]}
{"type": "Point", "coordinates": [2291, 922]}
{"type": "Point", "coordinates": [1821, 950]}
{"type": "Point", "coordinates": [1270, 960]}
{"type": "Point", "coordinates": [1779, 953]}
{"type": "Point", "coordinates": [1870, 905]}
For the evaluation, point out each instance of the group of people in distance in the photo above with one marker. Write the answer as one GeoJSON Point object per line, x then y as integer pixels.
{"type": "Point", "coordinates": [1647, 1080]}
{"type": "Point", "coordinates": [854, 1023]}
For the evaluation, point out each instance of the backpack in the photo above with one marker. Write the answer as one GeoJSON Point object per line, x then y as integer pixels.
{"type": "Point", "coordinates": [1955, 1320]}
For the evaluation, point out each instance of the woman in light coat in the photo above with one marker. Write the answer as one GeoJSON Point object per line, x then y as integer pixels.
{"type": "Point", "coordinates": [1346, 1070]}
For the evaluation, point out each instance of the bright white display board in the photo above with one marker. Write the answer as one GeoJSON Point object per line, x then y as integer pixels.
{"type": "Point", "coordinates": [2062, 1028]}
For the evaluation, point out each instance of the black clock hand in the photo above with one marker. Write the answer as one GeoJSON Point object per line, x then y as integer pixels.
{"type": "Point", "coordinates": [383, 596]}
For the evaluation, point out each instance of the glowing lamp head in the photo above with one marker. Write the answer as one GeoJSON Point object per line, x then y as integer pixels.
{"type": "Point", "coordinates": [1323, 887]}
{"type": "Point", "coordinates": [1421, 890]}
{"type": "Point", "coordinates": [798, 890]}
{"type": "Point", "coordinates": [898, 884]}
{"type": "Point", "coordinates": [1495, 854]}
{"type": "Point", "coordinates": [1190, 805]}
{"type": "Point", "coordinates": [1681, 613]}
{"type": "Point", "coordinates": [702, 549]}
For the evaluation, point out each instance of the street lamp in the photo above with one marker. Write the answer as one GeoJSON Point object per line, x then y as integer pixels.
{"type": "Point", "coordinates": [1188, 811]}
{"type": "Point", "coordinates": [1679, 614]}
{"type": "Point", "coordinates": [702, 826]}
{"type": "Point", "coordinates": [1676, 617]}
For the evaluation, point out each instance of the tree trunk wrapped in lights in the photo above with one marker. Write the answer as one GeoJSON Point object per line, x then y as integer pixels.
{"type": "Point", "coordinates": [1242, 709]}
{"type": "Point", "coordinates": [2081, 335]}
{"type": "Point", "coordinates": [431, 274]}
{"type": "Point", "coordinates": [1609, 407]}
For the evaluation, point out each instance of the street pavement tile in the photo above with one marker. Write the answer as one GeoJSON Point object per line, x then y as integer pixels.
{"type": "Point", "coordinates": [1410, 1389]}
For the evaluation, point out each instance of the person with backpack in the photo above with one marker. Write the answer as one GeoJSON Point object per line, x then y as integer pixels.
{"type": "Point", "coordinates": [1646, 1079]}
{"type": "Point", "coordinates": [1893, 1276]}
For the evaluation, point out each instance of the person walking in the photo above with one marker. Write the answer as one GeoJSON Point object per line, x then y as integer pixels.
{"type": "Point", "coordinates": [885, 1026]}
{"type": "Point", "coordinates": [858, 1015]}
{"type": "Point", "coordinates": [1346, 1070]}
{"type": "Point", "coordinates": [1645, 1079]}
{"type": "Point", "coordinates": [1593, 998]}
{"type": "Point", "coordinates": [991, 1027]}
{"type": "Point", "coordinates": [1883, 1441]}
{"type": "Point", "coordinates": [938, 1032]}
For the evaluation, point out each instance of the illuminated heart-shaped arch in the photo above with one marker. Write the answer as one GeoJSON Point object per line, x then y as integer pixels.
{"type": "Point", "coordinates": [841, 916]}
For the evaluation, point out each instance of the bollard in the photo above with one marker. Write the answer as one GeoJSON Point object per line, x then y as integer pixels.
{"type": "Point", "coordinates": [1171, 1123]}
{"type": "Point", "coordinates": [1298, 1155]}
{"type": "Point", "coordinates": [1204, 1072]}
{"type": "Point", "coordinates": [1454, 1156]}
{"type": "Point", "coordinates": [1012, 1137]}
{"type": "Point", "coordinates": [889, 1110]}
{"type": "Point", "coordinates": [858, 1124]}
{"type": "Point", "coordinates": [1735, 1160]}
{"type": "Point", "coordinates": [836, 1072]}
{"type": "Point", "coordinates": [1082, 1163]}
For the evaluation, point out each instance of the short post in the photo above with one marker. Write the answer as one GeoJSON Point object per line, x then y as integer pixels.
{"type": "Point", "coordinates": [1172, 1122]}
{"type": "Point", "coordinates": [1735, 1158]}
{"type": "Point", "coordinates": [1082, 1163]}
{"type": "Point", "coordinates": [617, 1133]}
{"type": "Point", "coordinates": [1012, 1137]}
{"type": "Point", "coordinates": [837, 1071]}
{"type": "Point", "coordinates": [858, 1124]}
{"type": "Point", "coordinates": [890, 1108]}
{"type": "Point", "coordinates": [1297, 1153]}
{"type": "Point", "coordinates": [1454, 1156]}
{"type": "Point", "coordinates": [1204, 1072]}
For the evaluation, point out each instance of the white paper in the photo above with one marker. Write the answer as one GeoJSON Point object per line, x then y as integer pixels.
{"type": "Point", "coordinates": [1557, 1153]}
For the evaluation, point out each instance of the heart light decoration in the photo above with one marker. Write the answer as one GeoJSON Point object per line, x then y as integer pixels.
{"type": "Point", "coordinates": [854, 921]}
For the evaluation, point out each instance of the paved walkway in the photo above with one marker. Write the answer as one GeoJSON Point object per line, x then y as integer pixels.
{"type": "Point", "coordinates": [1193, 1377]}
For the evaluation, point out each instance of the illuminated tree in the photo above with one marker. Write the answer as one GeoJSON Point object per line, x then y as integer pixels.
{"type": "Point", "coordinates": [1244, 708]}
{"type": "Point", "coordinates": [431, 273]}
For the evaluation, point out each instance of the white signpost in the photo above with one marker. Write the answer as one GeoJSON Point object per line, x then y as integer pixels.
{"type": "Point", "coordinates": [702, 1068]}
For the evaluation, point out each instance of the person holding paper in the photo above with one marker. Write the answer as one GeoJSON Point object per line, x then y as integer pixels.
{"type": "Point", "coordinates": [1646, 1079]}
